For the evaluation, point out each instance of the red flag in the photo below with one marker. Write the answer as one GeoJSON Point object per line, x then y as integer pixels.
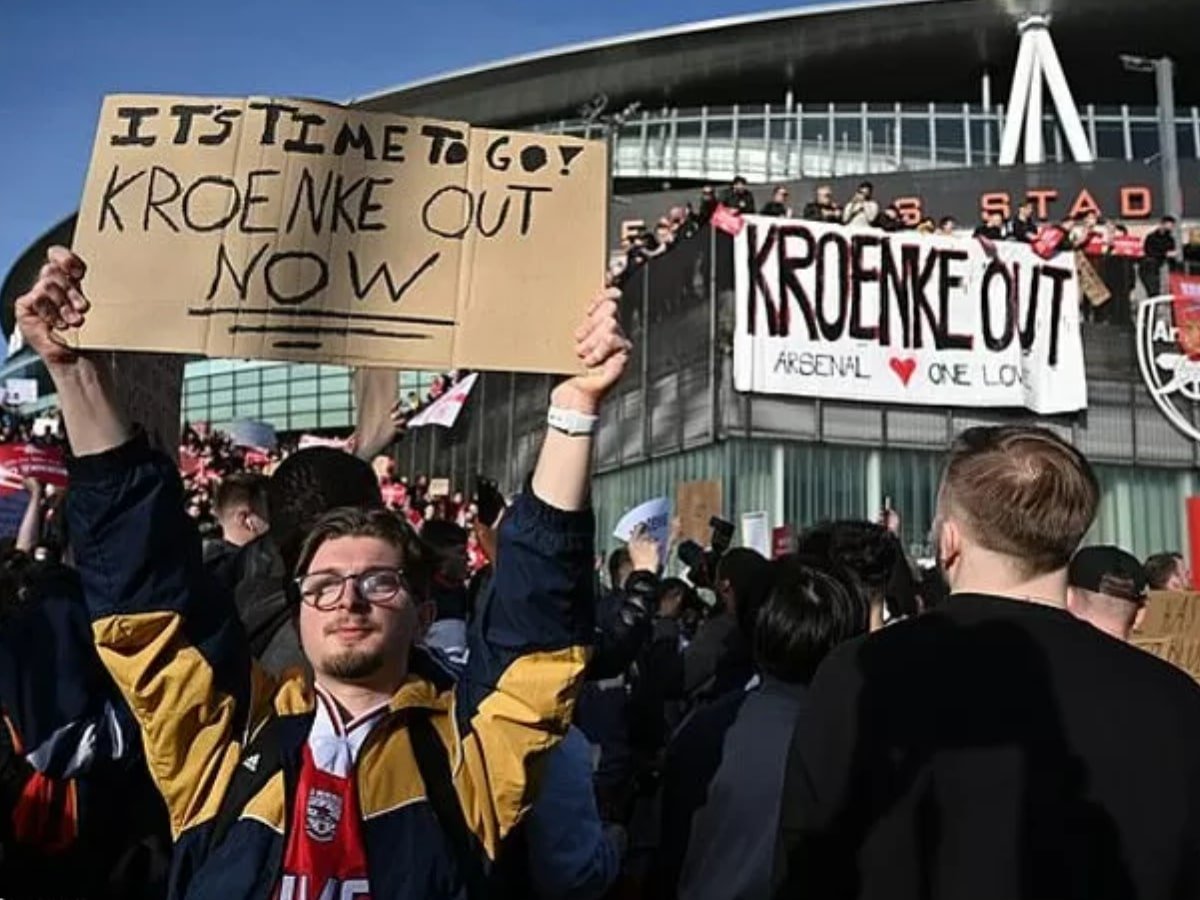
{"type": "Point", "coordinates": [728, 220]}
{"type": "Point", "coordinates": [1047, 242]}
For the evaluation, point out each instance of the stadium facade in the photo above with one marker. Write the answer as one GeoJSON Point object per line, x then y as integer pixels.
{"type": "Point", "coordinates": [911, 94]}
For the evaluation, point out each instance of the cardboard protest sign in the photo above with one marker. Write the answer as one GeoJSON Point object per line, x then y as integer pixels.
{"type": "Point", "coordinates": [1170, 629]}
{"type": "Point", "coordinates": [19, 391]}
{"type": "Point", "coordinates": [696, 502]}
{"type": "Point", "coordinates": [823, 311]}
{"type": "Point", "coordinates": [289, 229]}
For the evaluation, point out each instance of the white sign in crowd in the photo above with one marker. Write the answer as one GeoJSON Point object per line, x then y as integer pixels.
{"type": "Point", "coordinates": [859, 314]}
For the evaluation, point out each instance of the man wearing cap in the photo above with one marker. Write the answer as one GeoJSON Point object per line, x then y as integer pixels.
{"type": "Point", "coordinates": [1107, 589]}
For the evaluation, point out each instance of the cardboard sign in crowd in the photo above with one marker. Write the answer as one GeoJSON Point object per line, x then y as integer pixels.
{"type": "Point", "coordinates": [1171, 629]}
{"type": "Point", "coordinates": [295, 230]}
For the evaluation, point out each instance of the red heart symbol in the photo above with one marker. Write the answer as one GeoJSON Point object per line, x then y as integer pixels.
{"type": "Point", "coordinates": [903, 367]}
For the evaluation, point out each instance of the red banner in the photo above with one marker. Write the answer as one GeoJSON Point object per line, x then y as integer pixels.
{"type": "Point", "coordinates": [1127, 245]}
{"type": "Point", "coordinates": [1185, 289]}
{"type": "Point", "coordinates": [783, 541]}
{"type": "Point", "coordinates": [1048, 241]}
{"type": "Point", "coordinates": [21, 461]}
{"type": "Point", "coordinates": [728, 220]}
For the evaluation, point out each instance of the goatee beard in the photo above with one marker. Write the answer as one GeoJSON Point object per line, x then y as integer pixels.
{"type": "Point", "coordinates": [353, 665]}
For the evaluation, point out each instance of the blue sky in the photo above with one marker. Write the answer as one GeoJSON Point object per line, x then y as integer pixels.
{"type": "Point", "coordinates": [58, 59]}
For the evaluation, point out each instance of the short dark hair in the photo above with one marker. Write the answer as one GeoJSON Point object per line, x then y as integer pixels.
{"type": "Point", "coordinates": [947, 220]}
{"type": "Point", "coordinates": [749, 575]}
{"type": "Point", "coordinates": [1160, 567]}
{"type": "Point", "coordinates": [871, 552]}
{"type": "Point", "coordinates": [738, 179]}
{"type": "Point", "coordinates": [617, 560]}
{"type": "Point", "coordinates": [242, 489]}
{"type": "Point", "coordinates": [1023, 492]}
{"type": "Point", "coordinates": [810, 610]}
{"type": "Point", "coordinates": [866, 184]}
{"type": "Point", "coordinates": [309, 484]}
{"type": "Point", "coordinates": [356, 521]}
{"type": "Point", "coordinates": [1166, 219]}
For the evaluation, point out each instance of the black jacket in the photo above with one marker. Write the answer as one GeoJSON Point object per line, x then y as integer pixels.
{"type": "Point", "coordinates": [264, 606]}
{"type": "Point", "coordinates": [994, 748]}
{"type": "Point", "coordinates": [721, 792]}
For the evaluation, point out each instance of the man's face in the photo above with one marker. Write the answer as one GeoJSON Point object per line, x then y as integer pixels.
{"type": "Point", "coordinates": [1181, 578]}
{"type": "Point", "coordinates": [824, 196]}
{"type": "Point", "coordinates": [359, 641]}
{"type": "Point", "coordinates": [781, 196]}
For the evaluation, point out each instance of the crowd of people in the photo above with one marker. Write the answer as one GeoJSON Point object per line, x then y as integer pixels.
{"type": "Point", "coordinates": [1123, 259]}
{"type": "Point", "coordinates": [325, 701]}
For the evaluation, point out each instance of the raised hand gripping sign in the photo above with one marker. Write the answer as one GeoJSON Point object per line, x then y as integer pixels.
{"type": "Point", "coordinates": [289, 229]}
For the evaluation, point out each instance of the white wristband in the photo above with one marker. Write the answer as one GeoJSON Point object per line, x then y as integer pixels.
{"type": "Point", "coordinates": [571, 422]}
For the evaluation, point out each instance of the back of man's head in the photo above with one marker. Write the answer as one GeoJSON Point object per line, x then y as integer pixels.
{"type": "Point", "coordinates": [620, 567]}
{"type": "Point", "coordinates": [1107, 589]}
{"type": "Point", "coordinates": [872, 553]}
{"type": "Point", "coordinates": [744, 575]}
{"type": "Point", "coordinates": [309, 484]}
{"type": "Point", "coordinates": [240, 505]}
{"type": "Point", "coordinates": [1162, 569]}
{"type": "Point", "coordinates": [447, 543]}
{"type": "Point", "coordinates": [1021, 494]}
{"type": "Point", "coordinates": [810, 610]}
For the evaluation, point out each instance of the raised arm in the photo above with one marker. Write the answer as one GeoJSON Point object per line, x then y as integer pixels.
{"type": "Point", "coordinates": [529, 640]}
{"type": "Point", "coordinates": [173, 647]}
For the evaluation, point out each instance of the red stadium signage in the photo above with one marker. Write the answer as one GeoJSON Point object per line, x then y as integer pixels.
{"type": "Point", "coordinates": [21, 461]}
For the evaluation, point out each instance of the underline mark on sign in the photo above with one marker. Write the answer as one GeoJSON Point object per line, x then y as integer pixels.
{"type": "Point", "coordinates": [326, 329]}
{"type": "Point", "coordinates": [314, 313]}
{"type": "Point", "coordinates": [297, 345]}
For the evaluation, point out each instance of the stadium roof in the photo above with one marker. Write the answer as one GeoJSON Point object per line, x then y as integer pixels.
{"type": "Point", "coordinates": [900, 50]}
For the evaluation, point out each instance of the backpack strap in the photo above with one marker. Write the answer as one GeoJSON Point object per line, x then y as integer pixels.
{"type": "Point", "coordinates": [434, 765]}
{"type": "Point", "coordinates": [261, 759]}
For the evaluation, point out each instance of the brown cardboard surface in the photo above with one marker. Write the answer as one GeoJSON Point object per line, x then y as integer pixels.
{"type": "Point", "coordinates": [295, 230]}
{"type": "Point", "coordinates": [1171, 629]}
{"type": "Point", "coordinates": [696, 502]}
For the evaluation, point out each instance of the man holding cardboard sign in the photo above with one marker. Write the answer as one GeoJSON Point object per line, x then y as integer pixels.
{"type": "Point", "coordinates": [288, 229]}
{"type": "Point", "coordinates": [384, 777]}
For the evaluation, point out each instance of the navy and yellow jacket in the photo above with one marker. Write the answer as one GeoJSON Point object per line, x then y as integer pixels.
{"type": "Point", "coordinates": [176, 651]}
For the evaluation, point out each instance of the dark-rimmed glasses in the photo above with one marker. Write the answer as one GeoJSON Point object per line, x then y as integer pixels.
{"type": "Point", "coordinates": [379, 586]}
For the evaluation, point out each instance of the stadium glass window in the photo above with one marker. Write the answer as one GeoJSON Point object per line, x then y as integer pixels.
{"type": "Point", "coordinates": [303, 404]}
{"type": "Point", "coordinates": [275, 373]}
{"type": "Point", "coordinates": [274, 410]}
{"type": "Point", "coordinates": [274, 391]}
{"type": "Point", "coordinates": [1110, 140]}
{"type": "Point", "coordinates": [302, 421]}
{"type": "Point", "coordinates": [307, 387]}
{"type": "Point", "coordinates": [247, 409]}
{"type": "Point", "coordinates": [1185, 138]}
{"type": "Point", "coordinates": [849, 133]}
{"type": "Point", "coordinates": [914, 142]}
{"type": "Point", "coordinates": [301, 371]}
{"type": "Point", "coordinates": [218, 398]}
{"type": "Point", "coordinates": [1144, 138]}
{"type": "Point", "coordinates": [220, 382]}
{"type": "Point", "coordinates": [951, 141]}
{"type": "Point", "coordinates": [814, 129]}
{"type": "Point", "coordinates": [335, 381]}
{"type": "Point", "coordinates": [220, 414]}
{"type": "Point", "coordinates": [338, 418]}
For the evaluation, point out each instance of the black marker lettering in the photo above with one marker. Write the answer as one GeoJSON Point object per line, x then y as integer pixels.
{"type": "Point", "coordinates": [110, 192]}
{"type": "Point", "coordinates": [947, 282]}
{"type": "Point", "coordinates": [252, 200]}
{"type": "Point", "coordinates": [136, 115]}
{"type": "Point", "coordinates": [533, 158]}
{"type": "Point", "coordinates": [757, 260]}
{"type": "Point", "coordinates": [223, 219]}
{"type": "Point", "coordinates": [156, 203]}
{"type": "Point", "coordinates": [271, 119]}
{"type": "Point", "coordinates": [501, 163]}
{"type": "Point", "coordinates": [367, 207]}
{"type": "Point", "coordinates": [224, 118]}
{"type": "Point", "coordinates": [360, 140]}
{"type": "Point", "coordinates": [394, 291]}
{"type": "Point", "coordinates": [340, 195]}
{"type": "Point", "coordinates": [437, 147]}
{"type": "Point", "coordinates": [307, 189]}
{"type": "Point", "coordinates": [319, 283]}
{"type": "Point", "coordinates": [831, 329]}
{"type": "Point", "coordinates": [500, 218]}
{"type": "Point", "coordinates": [527, 208]}
{"type": "Point", "coordinates": [789, 284]}
{"type": "Point", "coordinates": [301, 143]}
{"type": "Point", "coordinates": [1058, 279]}
{"type": "Point", "coordinates": [427, 210]}
{"type": "Point", "coordinates": [861, 274]}
{"type": "Point", "coordinates": [224, 262]}
{"type": "Point", "coordinates": [185, 112]}
{"type": "Point", "coordinates": [997, 269]}
{"type": "Point", "coordinates": [393, 150]}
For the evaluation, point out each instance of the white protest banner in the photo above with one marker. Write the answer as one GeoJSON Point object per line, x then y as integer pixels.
{"type": "Point", "coordinates": [859, 314]}
{"type": "Point", "coordinates": [445, 409]}
{"type": "Point", "coordinates": [19, 391]}
{"type": "Point", "coordinates": [289, 229]}
{"type": "Point", "coordinates": [654, 515]}
{"type": "Point", "coordinates": [756, 532]}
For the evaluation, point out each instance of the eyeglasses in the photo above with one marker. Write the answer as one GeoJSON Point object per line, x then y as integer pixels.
{"type": "Point", "coordinates": [324, 590]}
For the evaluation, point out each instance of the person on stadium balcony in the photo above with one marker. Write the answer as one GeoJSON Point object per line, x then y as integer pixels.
{"type": "Point", "coordinates": [861, 210]}
{"type": "Point", "coordinates": [992, 227]}
{"type": "Point", "coordinates": [724, 767]}
{"type": "Point", "coordinates": [738, 196]}
{"type": "Point", "coordinates": [384, 777]}
{"type": "Point", "coordinates": [1159, 249]}
{"type": "Point", "coordinates": [1168, 572]}
{"type": "Point", "coordinates": [778, 204]}
{"type": "Point", "coordinates": [1107, 587]}
{"type": "Point", "coordinates": [947, 225]}
{"type": "Point", "coordinates": [1039, 758]}
{"type": "Point", "coordinates": [1024, 225]}
{"type": "Point", "coordinates": [822, 208]}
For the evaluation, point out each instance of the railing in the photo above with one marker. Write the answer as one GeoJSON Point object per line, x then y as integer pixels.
{"type": "Point", "coordinates": [768, 142]}
{"type": "Point", "coordinates": [678, 394]}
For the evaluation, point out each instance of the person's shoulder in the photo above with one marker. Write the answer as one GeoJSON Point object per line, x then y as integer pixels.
{"type": "Point", "coordinates": [1143, 673]}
